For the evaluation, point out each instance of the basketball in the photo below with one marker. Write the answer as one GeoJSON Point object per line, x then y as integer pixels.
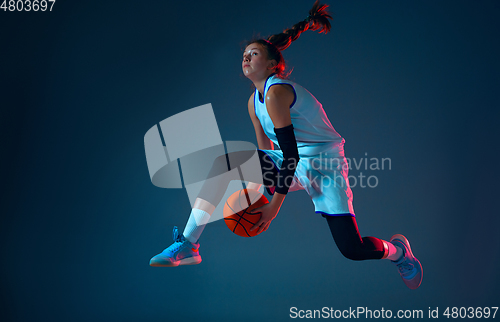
{"type": "Point", "coordinates": [238, 213]}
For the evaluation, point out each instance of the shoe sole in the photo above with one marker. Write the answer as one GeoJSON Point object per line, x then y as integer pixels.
{"type": "Point", "coordinates": [405, 241]}
{"type": "Point", "coordinates": [185, 261]}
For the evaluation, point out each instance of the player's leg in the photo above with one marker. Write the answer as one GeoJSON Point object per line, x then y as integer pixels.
{"type": "Point", "coordinates": [184, 250]}
{"type": "Point", "coordinates": [216, 185]}
{"type": "Point", "coordinates": [345, 232]}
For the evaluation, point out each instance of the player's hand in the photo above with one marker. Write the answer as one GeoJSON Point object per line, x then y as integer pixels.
{"type": "Point", "coordinates": [269, 212]}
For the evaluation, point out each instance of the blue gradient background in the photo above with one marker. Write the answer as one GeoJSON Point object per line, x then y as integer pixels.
{"type": "Point", "coordinates": [416, 82]}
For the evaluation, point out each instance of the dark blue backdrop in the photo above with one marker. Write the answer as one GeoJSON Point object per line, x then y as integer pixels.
{"type": "Point", "coordinates": [416, 82]}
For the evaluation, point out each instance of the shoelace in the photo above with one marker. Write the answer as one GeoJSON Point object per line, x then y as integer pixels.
{"type": "Point", "coordinates": [178, 240]}
{"type": "Point", "coordinates": [405, 267]}
{"type": "Point", "coordinates": [175, 235]}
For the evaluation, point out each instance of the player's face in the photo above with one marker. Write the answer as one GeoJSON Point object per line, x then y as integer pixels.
{"type": "Point", "coordinates": [255, 62]}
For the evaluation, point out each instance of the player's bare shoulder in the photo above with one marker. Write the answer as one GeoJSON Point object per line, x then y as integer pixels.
{"type": "Point", "coordinates": [251, 107]}
{"type": "Point", "coordinates": [278, 102]}
{"type": "Point", "coordinates": [282, 92]}
{"type": "Point", "coordinates": [250, 100]}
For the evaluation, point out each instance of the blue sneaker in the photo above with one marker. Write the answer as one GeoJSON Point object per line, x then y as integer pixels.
{"type": "Point", "coordinates": [181, 252]}
{"type": "Point", "coordinates": [409, 267]}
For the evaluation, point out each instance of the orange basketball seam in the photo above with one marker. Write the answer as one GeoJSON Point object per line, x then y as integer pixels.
{"type": "Point", "coordinates": [239, 222]}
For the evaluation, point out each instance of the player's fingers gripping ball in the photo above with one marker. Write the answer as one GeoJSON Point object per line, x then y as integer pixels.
{"type": "Point", "coordinates": [238, 213]}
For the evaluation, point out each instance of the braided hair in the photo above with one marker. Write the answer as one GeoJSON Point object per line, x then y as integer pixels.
{"type": "Point", "coordinates": [317, 19]}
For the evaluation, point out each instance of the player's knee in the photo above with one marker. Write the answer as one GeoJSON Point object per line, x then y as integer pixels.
{"type": "Point", "coordinates": [351, 252]}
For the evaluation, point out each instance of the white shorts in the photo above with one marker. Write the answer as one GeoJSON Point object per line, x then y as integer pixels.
{"type": "Point", "coordinates": [325, 178]}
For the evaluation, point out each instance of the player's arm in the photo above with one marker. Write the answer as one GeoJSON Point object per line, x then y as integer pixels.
{"type": "Point", "coordinates": [279, 98]}
{"type": "Point", "coordinates": [278, 101]}
{"type": "Point", "coordinates": [262, 140]}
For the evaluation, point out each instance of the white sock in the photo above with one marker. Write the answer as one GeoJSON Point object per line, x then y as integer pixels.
{"type": "Point", "coordinates": [195, 225]}
{"type": "Point", "coordinates": [394, 252]}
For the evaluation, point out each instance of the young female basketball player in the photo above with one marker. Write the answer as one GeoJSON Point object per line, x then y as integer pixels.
{"type": "Point", "coordinates": [286, 114]}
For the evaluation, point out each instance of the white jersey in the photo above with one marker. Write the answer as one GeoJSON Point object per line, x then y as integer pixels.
{"type": "Point", "coordinates": [322, 169]}
{"type": "Point", "coordinates": [313, 131]}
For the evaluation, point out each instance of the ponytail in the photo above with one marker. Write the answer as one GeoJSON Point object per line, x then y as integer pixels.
{"type": "Point", "coordinates": [316, 20]}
